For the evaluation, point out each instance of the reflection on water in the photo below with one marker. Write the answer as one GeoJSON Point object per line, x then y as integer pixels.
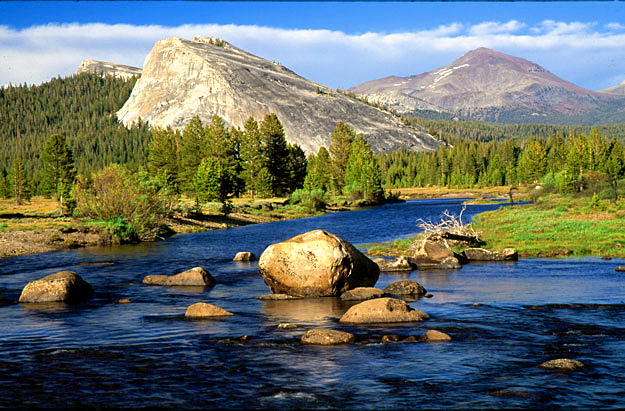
{"type": "Point", "coordinates": [145, 353]}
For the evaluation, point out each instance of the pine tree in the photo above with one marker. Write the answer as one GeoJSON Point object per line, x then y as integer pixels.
{"type": "Point", "coordinates": [296, 164]}
{"type": "Point", "coordinates": [164, 157]}
{"type": "Point", "coordinates": [340, 149]}
{"type": "Point", "coordinates": [59, 171]}
{"type": "Point", "coordinates": [362, 174]}
{"type": "Point", "coordinates": [615, 165]}
{"type": "Point", "coordinates": [533, 162]}
{"type": "Point", "coordinates": [192, 151]}
{"type": "Point", "coordinates": [206, 181]}
{"type": "Point", "coordinates": [251, 155]}
{"type": "Point", "coordinates": [275, 153]}
{"type": "Point", "coordinates": [5, 185]}
{"type": "Point", "coordinates": [19, 182]}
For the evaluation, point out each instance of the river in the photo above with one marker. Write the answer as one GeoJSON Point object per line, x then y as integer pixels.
{"type": "Point", "coordinates": [505, 319]}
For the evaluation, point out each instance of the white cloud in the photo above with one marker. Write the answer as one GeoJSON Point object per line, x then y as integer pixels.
{"type": "Point", "coordinates": [575, 51]}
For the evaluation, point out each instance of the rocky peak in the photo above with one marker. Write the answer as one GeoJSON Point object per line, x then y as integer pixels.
{"type": "Point", "coordinates": [105, 68]}
{"type": "Point", "coordinates": [207, 76]}
{"type": "Point", "coordinates": [488, 85]}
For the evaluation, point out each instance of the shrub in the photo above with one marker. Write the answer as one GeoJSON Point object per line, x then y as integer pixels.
{"type": "Point", "coordinates": [131, 204]}
{"type": "Point", "coordinates": [312, 201]}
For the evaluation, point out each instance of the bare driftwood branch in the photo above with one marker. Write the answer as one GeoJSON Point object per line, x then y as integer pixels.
{"type": "Point", "coordinates": [450, 228]}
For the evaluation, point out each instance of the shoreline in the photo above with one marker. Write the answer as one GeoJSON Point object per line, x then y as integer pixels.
{"type": "Point", "coordinates": [35, 229]}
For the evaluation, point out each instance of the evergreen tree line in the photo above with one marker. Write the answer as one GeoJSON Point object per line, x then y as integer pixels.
{"type": "Point", "coordinates": [453, 132]}
{"type": "Point", "coordinates": [82, 109]}
{"type": "Point", "coordinates": [567, 163]}
{"type": "Point", "coordinates": [349, 167]}
{"type": "Point", "coordinates": [214, 163]}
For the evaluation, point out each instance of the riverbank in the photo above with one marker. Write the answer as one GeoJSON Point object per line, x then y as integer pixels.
{"type": "Point", "coordinates": [557, 225]}
{"type": "Point", "coordinates": [37, 227]}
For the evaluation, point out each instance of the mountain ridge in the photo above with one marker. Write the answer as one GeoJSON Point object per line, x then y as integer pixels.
{"type": "Point", "coordinates": [207, 76]}
{"type": "Point", "coordinates": [484, 84]}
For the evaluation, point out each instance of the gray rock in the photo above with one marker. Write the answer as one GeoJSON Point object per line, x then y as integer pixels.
{"type": "Point", "coordinates": [105, 68]}
{"type": "Point", "coordinates": [64, 286]}
{"type": "Point", "coordinates": [481, 254]}
{"type": "Point", "coordinates": [194, 277]}
{"type": "Point", "coordinates": [562, 364]}
{"type": "Point", "coordinates": [244, 256]}
{"type": "Point", "coordinates": [382, 310]}
{"type": "Point", "coordinates": [182, 78]}
{"type": "Point", "coordinates": [362, 294]}
{"type": "Point", "coordinates": [434, 336]}
{"type": "Point", "coordinates": [434, 255]}
{"type": "Point", "coordinates": [327, 337]}
{"type": "Point", "coordinates": [401, 263]}
{"type": "Point", "coordinates": [205, 310]}
{"type": "Point", "coordinates": [405, 287]}
{"type": "Point", "coordinates": [316, 264]}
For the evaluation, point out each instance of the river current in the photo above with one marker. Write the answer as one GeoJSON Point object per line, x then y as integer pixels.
{"type": "Point", "coordinates": [504, 318]}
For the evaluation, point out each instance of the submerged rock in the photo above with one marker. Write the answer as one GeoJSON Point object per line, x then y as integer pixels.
{"type": "Point", "coordinates": [244, 256]}
{"type": "Point", "coordinates": [327, 337]}
{"type": "Point", "coordinates": [64, 286]}
{"type": "Point", "coordinates": [382, 310]}
{"type": "Point", "coordinates": [194, 277]}
{"type": "Point", "coordinates": [405, 287]}
{"type": "Point", "coordinates": [562, 364]}
{"type": "Point", "coordinates": [316, 264]}
{"type": "Point", "coordinates": [401, 263]}
{"type": "Point", "coordinates": [205, 310]}
{"type": "Point", "coordinates": [362, 294]}
{"type": "Point", "coordinates": [434, 336]}
{"type": "Point", "coordinates": [620, 269]}
{"type": "Point", "coordinates": [481, 254]}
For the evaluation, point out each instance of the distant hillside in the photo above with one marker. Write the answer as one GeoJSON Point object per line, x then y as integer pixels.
{"type": "Point", "coordinates": [491, 86]}
{"type": "Point", "coordinates": [82, 108]}
{"type": "Point", "coordinates": [105, 68]}
{"type": "Point", "coordinates": [207, 76]}
{"type": "Point", "coordinates": [616, 90]}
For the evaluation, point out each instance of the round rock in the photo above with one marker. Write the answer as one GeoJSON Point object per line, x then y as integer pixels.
{"type": "Point", "coordinates": [405, 287]}
{"type": "Point", "coordinates": [316, 264]}
{"type": "Point", "coordinates": [562, 364]}
{"type": "Point", "coordinates": [194, 277]}
{"type": "Point", "coordinates": [205, 310]}
{"type": "Point", "coordinates": [434, 336]}
{"type": "Point", "coordinates": [362, 294]}
{"type": "Point", "coordinates": [327, 337]}
{"type": "Point", "coordinates": [244, 256]}
{"type": "Point", "coordinates": [382, 310]}
{"type": "Point", "coordinates": [64, 286]}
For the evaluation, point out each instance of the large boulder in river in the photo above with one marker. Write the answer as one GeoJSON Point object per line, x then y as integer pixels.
{"type": "Point", "coordinates": [481, 254]}
{"type": "Point", "coordinates": [434, 255]}
{"type": "Point", "coordinates": [316, 264]}
{"type": "Point", "coordinates": [64, 286]}
{"type": "Point", "coordinates": [194, 277]}
{"type": "Point", "coordinates": [382, 310]}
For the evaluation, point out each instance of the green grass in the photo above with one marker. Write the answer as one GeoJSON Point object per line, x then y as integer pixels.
{"type": "Point", "coordinates": [398, 247]}
{"type": "Point", "coordinates": [557, 225]}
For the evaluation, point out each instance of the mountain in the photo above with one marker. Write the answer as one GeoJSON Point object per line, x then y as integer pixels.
{"type": "Point", "coordinates": [101, 67]}
{"type": "Point", "coordinates": [208, 76]}
{"type": "Point", "coordinates": [616, 90]}
{"type": "Point", "coordinates": [487, 85]}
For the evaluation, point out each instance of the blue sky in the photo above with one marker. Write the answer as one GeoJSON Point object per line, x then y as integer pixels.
{"type": "Point", "coordinates": [333, 43]}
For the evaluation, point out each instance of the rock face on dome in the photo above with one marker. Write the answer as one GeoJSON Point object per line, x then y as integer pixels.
{"type": "Point", "coordinates": [485, 84]}
{"type": "Point", "coordinates": [207, 76]}
{"type": "Point", "coordinates": [113, 69]}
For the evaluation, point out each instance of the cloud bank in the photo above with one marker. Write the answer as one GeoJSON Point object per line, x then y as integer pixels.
{"type": "Point", "coordinates": [585, 53]}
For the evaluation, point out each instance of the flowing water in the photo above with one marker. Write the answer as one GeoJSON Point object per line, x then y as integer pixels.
{"type": "Point", "coordinates": [505, 319]}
